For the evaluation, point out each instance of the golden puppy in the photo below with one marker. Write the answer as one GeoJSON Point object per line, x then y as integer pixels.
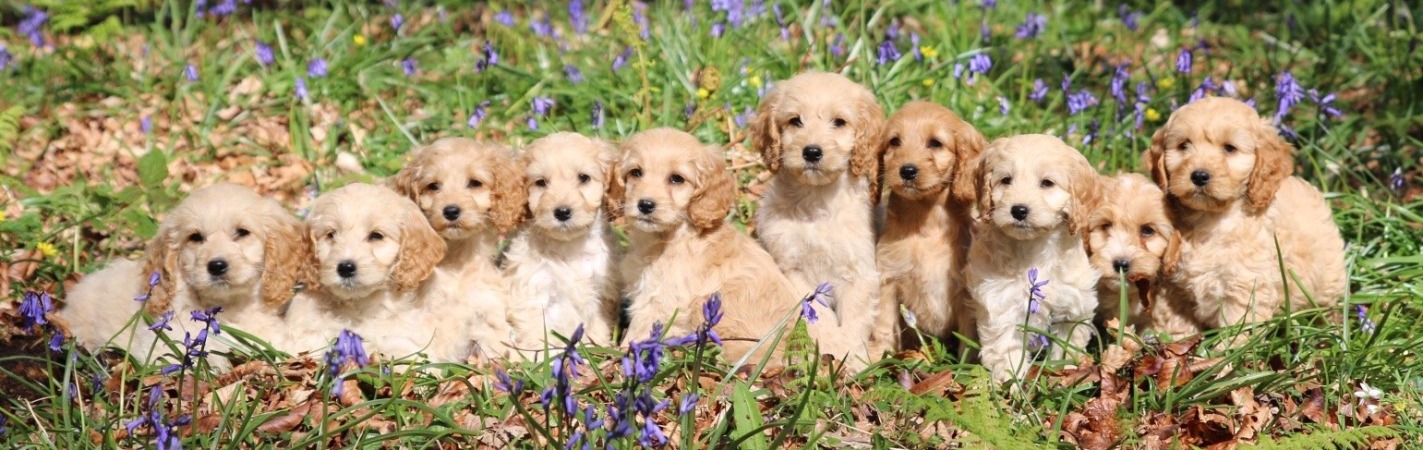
{"type": "Point", "coordinates": [1131, 236]}
{"type": "Point", "coordinates": [374, 255]}
{"type": "Point", "coordinates": [676, 193]}
{"type": "Point", "coordinates": [819, 134]}
{"type": "Point", "coordinates": [1226, 173]}
{"type": "Point", "coordinates": [560, 266]}
{"type": "Point", "coordinates": [928, 157]}
{"type": "Point", "coordinates": [469, 191]}
{"type": "Point", "coordinates": [1034, 195]}
{"type": "Point", "coordinates": [223, 246]}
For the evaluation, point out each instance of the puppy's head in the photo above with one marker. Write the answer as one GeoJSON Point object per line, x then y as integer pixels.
{"type": "Point", "coordinates": [927, 149]}
{"type": "Point", "coordinates": [1029, 185]}
{"type": "Point", "coordinates": [1216, 151]}
{"type": "Point", "coordinates": [1130, 233]}
{"type": "Point", "coordinates": [566, 176]}
{"type": "Point", "coordinates": [223, 244]}
{"type": "Point", "coordinates": [367, 239]}
{"type": "Point", "coordinates": [818, 125]}
{"type": "Point", "coordinates": [464, 187]}
{"type": "Point", "coordinates": [665, 178]}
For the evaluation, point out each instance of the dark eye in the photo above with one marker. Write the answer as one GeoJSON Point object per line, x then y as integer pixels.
{"type": "Point", "coordinates": [583, 178]}
{"type": "Point", "coordinates": [433, 187]}
{"type": "Point", "coordinates": [1230, 148]}
{"type": "Point", "coordinates": [1047, 183]}
{"type": "Point", "coordinates": [195, 237]}
{"type": "Point", "coordinates": [1106, 226]}
{"type": "Point", "coordinates": [541, 182]}
{"type": "Point", "coordinates": [475, 184]}
{"type": "Point", "coordinates": [331, 235]}
{"type": "Point", "coordinates": [795, 122]}
{"type": "Point", "coordinates": [375, 236]}
{"type": "Point", "coordinates": [1147, 231]}
{"type": "Point", "coordinates": [242, 233]}
{"type": "Point", "coordinates": [635, 173]}
{"type": "Point", "coordinates": [1006, 181]}
{"type": "Point", "coordinates": [838, 122]}
{"type": "Point", "coordinates": [676, 179]}
{"type": "Point", "coordinates": [1184, 145]}
{"type": "Point", "coordinates": [934, 143]}
{"type": "Point", "coordinates": [894, 141]}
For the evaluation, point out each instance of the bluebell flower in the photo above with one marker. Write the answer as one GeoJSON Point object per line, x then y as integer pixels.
{"type": "Point", "coordinates": [348, 349]}
{"type": "Point", "coordinates": [1288, 132]}
{"type": "Point", "coordinates": [264, 53]}
{"type": "Point", "coordinates": [505, 18]}
{"type": "Point", "coordinates": [477, 116]}
{"type": "Point", "coordinates": [1228, 87]}
{"type": "Point", "coordinates": [1207, 85]}
{"type": "Point", "coordinates": [33, 308]}
{"type": "Point", "coordinates": [914, 47]}
{"type": "Point", "coordinates": [397, 21]}
{"type": "Point", "coordinates": [209, 318]}
{"type": "Point", "coordinates": [781, 21]}
{"type": "Point", "coordinates": [56, 341]}
{"type": "Point", "coordinates": [621, 60]}
{"type": "Point", "coordinates": [1066, 84]}
{"type": "Point", "coordinates": [301, 92]}
{"type": "Point", "coordinates": [574, 75]}
{"type": "Point", "coordinates": [1039, 341]}
{"type": "Point", "coordinates": [689, 404]}
{"type": "Point", "coordinates": [717, 29]}
{"type": "Point", "coordinates": [32, 25]}
{"type": "Point", "coordinates": [223, 8]}
{"type": "Point", "coordinates": [1035, 290]}
{"type": "Point", "coordinates": [1132, 19]}
{"type": "Point", "coordinates": [541, 105]}
{"type": "Point", "coordinates": [984, 33]}
{"type": "Point", "coordinates": [620, 416]}
{"type": "Point", "coordinates": [4, 425]}
{"type": "Point", "coordinates": [5, 57]}
{"type": "Point", "coordinates": [1080, 101]}
{"type": "Point", "coordinates": [597, 113]}
{"type": "Point", "coordinates": [743, 118]}
{"type": "Point", "coordinates": [1039, 92]}
{"type": "Point", "coordinates": [1365, 324]}
{"type": "Point", "coordinates": [407, 65]}
{"type": "Point", "coordinates": [190, 72]}
{"type": "Point", "coordinates": [541, 27]}
{"type": "Point", "coordinates": [574, 440]}
{"type": "Point", "coordinates": [162, 322]}
{"type": "Point", "coordinates": [1003, 107]}
{"type": "Point", "coordinates": [892, 32]}
{"type": "Point", "coordinates": [490, 58]}
{"type": "Point", "coordinates": [1183, 61]}
{"type": "Point", "coordinates": [508, 384]}
{"type": "Point", "coordinates": [980, 63]}
{"type": "Point", "coordinates": [1032, 26]}
{"type": "Point", "coordinates": [958, 70]}
{"type": "Point", "coordinates": [1396, 181]}
{"type": "Point", "coordinates": [988, 4]}
{"type": "Point", "coordinates": [1289, 93]}
{"type": "Point", "coordinates": [887, 52]}
{"type": "Point", "coordinates": [1092, 130]}
{"type": "Point", "coordinates": [837, 46]}
{"type": "Point", "coordinates": [651, 434]}
{"type": "Point", "coordinates": [807, 310]}
{"type": "Point", "coordinates": [1326, 103]}
{"type": "Point", "coordinates": [577, 17]}
{"type": "Point", "coordinates": [1118, 83]}
{"type": "Point", "coordinates": [645, 359]}
{"type": "Point", "coordinates": [735, 10]}
{"type": "Point", "coordinates": [316, 68]}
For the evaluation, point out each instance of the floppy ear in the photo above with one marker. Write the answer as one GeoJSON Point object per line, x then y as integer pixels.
{"type": "Point", "coordinates": [1154, 160]}
{"type": "Point", "coordinates": [1086, 194]}
{"type": "Point", "coordinates": [766, 133]}
{"type": "Point", "coordinates": [716, 191]}
{"type": "Point", "coordinates": [607, 156]}
{"type": "Point", "coordinates": [312, 264]}
{"type": "Point", "coordinates": [285, 258]}
{"type": "Point", "coordinates": [420, 250]}
{"type": "Point", "coordinates": [162, 257]}
{"type": "Point", "coordinates": [406, 182]}
{"type": "Point", "coordinates": [511, 195]}
{"type": "Point", "coordinates": [1274, 161]}
{"type": "Point", "coordinates": [968, 144]}
{"type": "Point", "coordinates": [1173, 253]}
{"type": "Point", "coordinates": [983, 187]}
{"type": "Point", "coordinates": [615, 190]}
{"type": "Point", "coordinates": [865, 157]}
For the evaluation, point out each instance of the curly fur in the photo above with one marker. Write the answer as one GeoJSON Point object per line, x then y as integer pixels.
{"type": "Point", "coordinates": [479, 181]}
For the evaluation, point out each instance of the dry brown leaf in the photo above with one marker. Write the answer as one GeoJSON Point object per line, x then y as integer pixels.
{"type": "Point", "coordinates": [936, 383]}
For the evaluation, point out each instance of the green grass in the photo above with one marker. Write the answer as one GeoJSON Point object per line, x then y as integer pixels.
{"type": "Point", "coordinates": [113, 64]}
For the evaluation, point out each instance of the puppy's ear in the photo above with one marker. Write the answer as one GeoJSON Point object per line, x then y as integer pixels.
{"type": "Point", "coordinates": [869, 132]}
{"type": "Point", "coordinates": [983, 185]}
{"type": "Point", "coordinates": [1173, 253]}
{"type": "Point", "coordinates": [766, 133]}
{"type": "Point", "coordinates": [615, 191]}
{"type": "Point", "coordinates": [715, 193]}
{"type": "Point", "coordinates": [420, 250]}
{"type": "Point", "coordinates": [1154, 160]}
{"type": "Point", "coordinates": [968, 145]}
{"type": "Point", "coordinates": [161, 257]}
{"type": "Point", "coordinates": [1086, 192]}
{"type": "Point", "coordinates": [286, 257]}
{"type": "Point", "coordinates": [406, 182]}
{"type": "Point", "coordinates": [1274, 161]}
{"type": "Point", "coordinates": [511, 195]}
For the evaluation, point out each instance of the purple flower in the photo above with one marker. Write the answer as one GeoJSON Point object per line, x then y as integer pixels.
{"type": "Point", "coordinates": [541, 105]}
{"type": "Point", "coordinates": [1288, 132]}
{"type": "Point", "coordinates": [574, 75]}
{"type": "Point", "coordinates": [190, 72]}
{"type": "Point", "coordinates": [958, 70]}
{"type": "Point", "coordinates": [1079, 101]}
{"type": "Point", "coordinates": [347, 349]}
{"type": "Point", "coordinates": [644, 359]}
{"type": "Point", "coordinates": [56, 343]}
{"type": "Point", "coordinates": [1365, 324]}
{"type": "Point", "coordinates": [597, 113]}
{"type": "Point", "coordinates": [717, 29]}
{"type": "Point", "coordinates": [209, 318]}
{"type": "Point", "coordinates": [162, 322]}
{"type": "Point", "coordinates": [1032, 26]}
{"type": "Point", "coordinates": [301, 92]}
{"type": "Point", "coordinates": [397, 21]}
{"type": "Point", "coordinates": [223, 8]}
{"type": "Point", "coordinates": [639, 16]}
{"type": "Point", "coordinates": [33, 24]}
{"type": "Point", "coordinates": [264, 53]}
{"type": "Point", "coordinates": [577, 17]}
{"type": "Point", "coordinates": [1207, 85]}
{"type": "Point", "coordinates": [541, 27]}
{"type": "Point", "coordinates": [837, 47]}
{"type": "Point", "coordinates": [807, 310]}
{"type": "Point", "coordinates": [407, 65]}
{"type": "Point", "coordinates": [1396, 181]}
{"type": "Point", "coordinates": [146, 126]}
{"type": "Point", "coordinates": [507, 384]}
{"type": "Point", "coordinates": [1092, 130]}
{"type": "Point", "coordinates": [491, 57]}
{"type": "Point", "coordinates": [1183, 61]}
{"type": "Point", "coordinates": [1289, 93]}
{"type": "Point", "coordinates": [742, 118]}
{"type": "Point", "coordinates": [988, 4]}
{"type": "Point", "coordinates": [1066, 84]}
{"type": "Point", "coordinates": [1326, 103]}
{"type": "Point", "coordinates": [892, 33]}
{"type": "Point", "coordinates": [1035, 290]}
{"type": "Point", "coordinates": [1132, 19]}
{"type": "Point", "coordinates": [781, 21]}
{"type": "Point", "coordinates": [980, 63]}
{"type": "Point", "coordinates": [5, 57]}
{"type": "Point", "coordinates": [621, 60]}
{"type": "Point", "coordinates": [1039, 92]}
{"type": "Point", "coordinates": [1118, 84]}
{"type": "Point", "coordinates": [735, 10]}
{"type": "Point", "coordinates": [984, 32]}
{"type": "Point", "coordinates": [1039, 341]}
{"type": "Point", "coordinates": [505, 18]}
{"type": "Point", "coordinates": [888, 53]}
{"type": "Point", "coordinates": [651, 434]}
{"type": "Point", "coordinates": [1003, 107]}
{"type": "Point", "coordinates": [480, 111]}
{"type": "Point", "coordinates": [689, 404]}
{"type": "Point", "coordinates": [316, 68]}
{"type": "Point", "coordinates": [33, 309]}
{"type": "Point", "coordinates": [914, 47]}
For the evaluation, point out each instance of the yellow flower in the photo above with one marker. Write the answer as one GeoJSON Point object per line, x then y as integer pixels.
{"type": "Point", "coordinates": [46, 249]}
{"type": "Point", "coordinates": [1166, 83]}
{"type": "Point", "coordinates": [753, 80]}
{"type": "Point", "coordinates": [1152, 114]}
{"type": "Point", "coordinates": [2, 215]}
{"type": "Point", "coordinates": [928, 52]}
{"type": "Point", "coordinates": [703, 93]}
{"type": "Point", "coordinates": [928, 82]}
{"type": "Point", "coordinates": [359, 40]}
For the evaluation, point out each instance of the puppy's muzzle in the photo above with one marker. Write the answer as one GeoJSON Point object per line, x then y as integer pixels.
{"type": "Point", "coordinates": [217, 267]}
{"type": "Point", "coordinates": [812, 153]}
{"type": "Point", "coordinates": [1019, 212]}
{"type": "Point", "coordinates": [646, 206]}
{"type": "Point", "coordinates": [1200, 178]}
{"type": "Point", "coordinates": [346, 269]}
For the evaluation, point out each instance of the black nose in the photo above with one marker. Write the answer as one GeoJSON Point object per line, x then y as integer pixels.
{"type": "Point", "coordinates": [812, 153]}
{"type": "Point", "coordinates": [452, 212]}
{"type": "Point", "coordinates": [1121, 265]}
{"type": "Point", "coordinates": [1200, 178]}
{"type": "Point", "coordinates": [1019, 212]}
{"type": "Point", "coordinates": [646, 206]}
{"type": "Point", "coordinates": [346, 269]}
{"type": "Point", "coordinates": [217, 267]}
{"type": "Point", "coordinates": [908, 172]}
{"type": "Point", "coordinates": [565, 213]}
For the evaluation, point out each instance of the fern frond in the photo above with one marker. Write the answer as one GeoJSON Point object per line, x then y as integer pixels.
{"type": "Point", "coordinates": [10, 127]}
{"type": "Point", "coordinates": [1328, 439]}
